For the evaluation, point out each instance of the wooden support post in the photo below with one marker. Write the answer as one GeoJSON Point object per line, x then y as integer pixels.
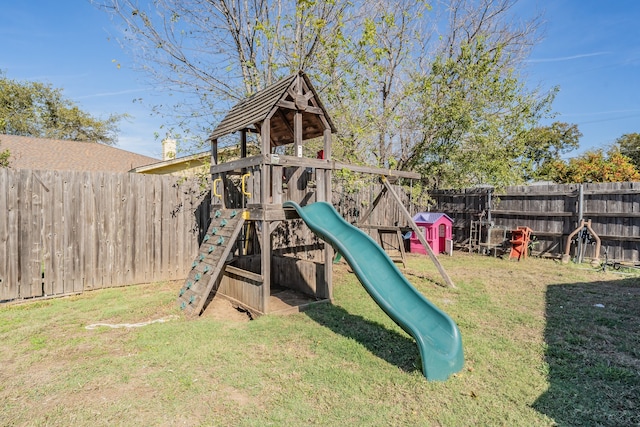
{"type": "Point", "coordinates": [327, 156]}
{"type": "Point", "coordinates": [217, 184]}
{"type": "Point", "coordinates": [214, 151]}
{"type": "Point", "coordinates": [243, 143]}
{"type": "Point", "coordinates": [321, 193]}
{"type": "Point", "coordinates": [276, 181]}
{"type": "Point", "coordinates": [265, 262]}
{"type": "Point", "coordinates": [265, 137]}
{"type": "Point", "coordinates": [328, 249]}
{"type": "Point", "coordinates": [416, 230]}
{"type": "Point", "coordinates": [297, 130]}
{"type": "Point", "coordinates": [265, 171]}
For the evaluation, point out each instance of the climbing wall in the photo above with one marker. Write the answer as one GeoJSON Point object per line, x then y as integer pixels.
{"type": "Point", "coordinates": [209, 265]}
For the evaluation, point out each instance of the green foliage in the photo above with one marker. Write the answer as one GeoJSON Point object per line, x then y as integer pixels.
{"type": "Point", "coordinates": [629, 146]}
{"type": "Point", "coordinates": [594, 166]}
{"type": "Point", "coordinates": [4, 158]}
{"type": "Point", "coordinates": [474, 112]}
{"type": "Point", "coordinates": [545, 144]}
{"type": "Point", "coordinates": [39, 110]}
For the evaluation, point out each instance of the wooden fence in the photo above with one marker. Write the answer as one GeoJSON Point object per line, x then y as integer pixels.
{"type": "Point", "coordinates": [553, 212]}
{"type": "Point", "coordinates": [66, 232]}
{"type": "Point", "coordinates": [352, 204]}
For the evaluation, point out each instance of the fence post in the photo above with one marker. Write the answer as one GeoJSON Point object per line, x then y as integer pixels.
{"type": "Point", "coordinates": [580, 203]}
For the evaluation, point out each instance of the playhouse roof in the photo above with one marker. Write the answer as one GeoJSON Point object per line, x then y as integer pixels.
{"type": "Point", "coordinates": [283, 96]}
{"type": "Point", "coordinates": [430, 217]}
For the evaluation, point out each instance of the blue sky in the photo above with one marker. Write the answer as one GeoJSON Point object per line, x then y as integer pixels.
{"type": "Point", "coordinates": [591, 50]}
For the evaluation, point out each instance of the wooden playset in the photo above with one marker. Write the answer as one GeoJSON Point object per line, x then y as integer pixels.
{"type": "Point", "coordinates": [257, 254]}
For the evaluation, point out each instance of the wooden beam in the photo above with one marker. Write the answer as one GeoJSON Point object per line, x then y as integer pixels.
{"type": "Point", "coordinates": [307, 162]}
{"type": "Point", "coordinates": [286, 122]}
{"type": "Point", "coordinates": [376, 171]}
{"type": "Point", "coordinates": [244, 273]}
{"type": "Point", "coordinates": [238, 164]}
{"type": "Point", "coordinates": [273, 225]}
{"type": "Point", "coordinates": [286, 104]}
{"type": "Point", "coordinates": [292, 106]}
{"type": "Point", "coordinates": [416, 230]}
{"type": "Point", "coordinates": [314, 110]}
{"type": "Point", "coordinates": [531, 214]}
{"type": "Point", "coordinates": [335, 165]}
{"type": "Point", "coordinates": [373, 206]}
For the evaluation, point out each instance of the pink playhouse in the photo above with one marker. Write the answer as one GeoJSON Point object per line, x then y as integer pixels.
{"type": "Point", "coordinates": [437, 229]}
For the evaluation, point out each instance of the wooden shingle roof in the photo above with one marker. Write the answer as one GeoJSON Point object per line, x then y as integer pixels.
{"type": "Point", "coordinates": [282, 95]}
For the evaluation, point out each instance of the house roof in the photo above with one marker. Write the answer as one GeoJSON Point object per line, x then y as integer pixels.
{"type": "Point", "coordinates": [56, 154]}
{"type": "Point", "coordinates": [252, 111]}
{"type": "Point", "coordinates": [174, 165]}
{"type": "Point", "coordinates": [430, 217]}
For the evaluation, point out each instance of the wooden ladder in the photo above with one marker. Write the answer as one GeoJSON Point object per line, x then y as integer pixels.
{"type": "Point", "coordinates": [208, 267]}
{"type": "Point", "coordinates": [397, 254]}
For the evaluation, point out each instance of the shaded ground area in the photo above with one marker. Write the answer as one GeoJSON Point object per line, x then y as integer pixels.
{"type": "Point", "coordinates": [593, 353]}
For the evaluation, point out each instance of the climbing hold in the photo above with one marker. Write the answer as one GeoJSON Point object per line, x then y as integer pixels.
{"type": "Point", "coordinates": [206, 268]}
{"type": "Point", "coordinates": [220, 240]}
{"type": "Point", "coordinates": [201, 257]}
{"type": "Point", "coordinates": [211, 248]}
{"type": "Point", "coordinates": [194, 265]}
{"type": "Point", "coordinates": [218, 213]}
{"type": "Point", "coordinates": [223, 223]}
{"type": "Point", "coordinates": [182, 291]}
{"type": "Point", "coordinates": [206, 237]}
{"type": "Point", "coordinates": [198, 277]}
{"type": "Point", "coordinates": [189, 284]}
{"type": "Point", "coordinates": [183, 305]}
{"type": "Point", "coordinates": [233, 213]}
{"type": "Point", "coordinates": [192, 299]}
{"type": "Point", "coordinates": [214, 231]}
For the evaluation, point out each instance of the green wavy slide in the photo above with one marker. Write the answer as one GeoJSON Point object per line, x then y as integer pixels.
{"type": "Point", "coordinates": [436, 334]}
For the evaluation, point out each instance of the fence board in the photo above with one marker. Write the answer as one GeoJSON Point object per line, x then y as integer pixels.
{"type": "Point", "coordinates": [9, 288]}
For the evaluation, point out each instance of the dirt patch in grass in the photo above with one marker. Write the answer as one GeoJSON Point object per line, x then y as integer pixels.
{"type": "Point", "coordinates": [221, 308]}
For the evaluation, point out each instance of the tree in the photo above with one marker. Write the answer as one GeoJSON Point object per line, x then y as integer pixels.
{"type": "Point", "coordinates": [4, 158]}
{"type": "Point", "coordinates": [409, 84]}
{"type": "Point", "coordinates": [472, 107]}
{"type": "Point", "coordinates": [217, 52]}
{"type": "Point", "coordinates": [474, 114]}
{"type": "Point", "coordinates": [629, 145]}
{"type": "Point", "coordinates": [595, 166]}
{"type": "Point", "coordinates": [39, 110]}
{"type": "Point", "coordinates": [545, 144]}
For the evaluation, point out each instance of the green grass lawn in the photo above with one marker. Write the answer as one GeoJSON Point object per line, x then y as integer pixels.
{"type": "Point", "coordinates": [537, 352]}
